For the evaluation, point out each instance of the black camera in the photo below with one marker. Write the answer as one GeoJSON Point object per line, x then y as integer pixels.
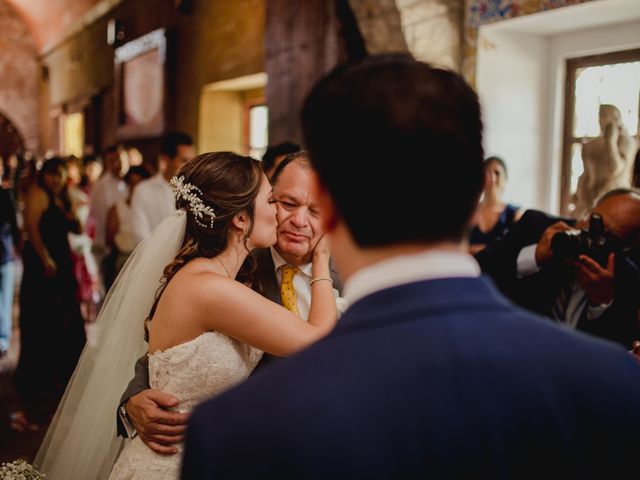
{"type": "Point", "coordinates": [595, 242]}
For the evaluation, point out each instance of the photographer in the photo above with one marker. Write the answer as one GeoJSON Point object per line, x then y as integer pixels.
{"type": "Point", "coordinates": [583, 274]}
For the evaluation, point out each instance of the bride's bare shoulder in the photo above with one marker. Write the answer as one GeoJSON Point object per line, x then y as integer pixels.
{"type": "Point", "coordinates": [200, 281]}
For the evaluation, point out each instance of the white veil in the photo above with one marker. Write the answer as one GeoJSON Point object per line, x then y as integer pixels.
{"type": "Point", "coordinates": [81, 441]}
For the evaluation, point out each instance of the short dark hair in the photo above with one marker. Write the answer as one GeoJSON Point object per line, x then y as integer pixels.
{"type": "Point", "coordinates": [137, 170]}
{"type": "Point", "coordinates": [301, 158]}
{"type": "Point", "coordinates": [371, 127]}
{"type": "Point", "coordinates": [87, 159]}
{"type": "Point", "coordinates": [274, 151]}
{"type": "Point", "coordinates": [499, 161]}
{"type": "Point", "coordinates": [171, 141]}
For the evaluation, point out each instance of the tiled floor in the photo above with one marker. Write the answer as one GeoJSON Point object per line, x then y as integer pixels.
{"type": "Point", "coordinates": [14, 445]}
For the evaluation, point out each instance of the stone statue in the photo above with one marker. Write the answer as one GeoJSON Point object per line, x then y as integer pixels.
{"type": "Point", "coordinates": [608, 160]}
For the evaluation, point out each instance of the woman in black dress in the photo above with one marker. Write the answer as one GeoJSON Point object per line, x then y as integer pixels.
{"type": "Point", "coordinates": [51, 327]}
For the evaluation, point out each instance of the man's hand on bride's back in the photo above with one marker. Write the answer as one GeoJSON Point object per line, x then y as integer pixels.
{"type": "Point", "coordinates": [158, 427]}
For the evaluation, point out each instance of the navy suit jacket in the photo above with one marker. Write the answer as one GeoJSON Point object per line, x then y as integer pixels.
{"type": "Point", "coordinates": [439, 378]}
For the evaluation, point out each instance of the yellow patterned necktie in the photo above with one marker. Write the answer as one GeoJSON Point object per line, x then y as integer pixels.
{"type": "Point", "coordinates": [287, 292]}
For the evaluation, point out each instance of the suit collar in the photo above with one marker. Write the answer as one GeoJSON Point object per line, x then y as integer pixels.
{"type": "Point", "coordinates": [415, 267]}
{"type": "Point", "coordinates": [278, 262]}
{"type": "Point", "coordinates": [426, 297]}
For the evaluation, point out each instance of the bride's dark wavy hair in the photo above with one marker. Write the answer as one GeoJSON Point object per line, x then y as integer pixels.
{"type": "Point", "coordinates": [229, 184]}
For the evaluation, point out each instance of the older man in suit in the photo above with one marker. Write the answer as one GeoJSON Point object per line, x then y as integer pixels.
{"type": "Point", "coordinates": [299, 230]}
{"type": "Point", "coordinates": [282, 274]}
{"type": "Point", "coordinates": [430, 373]}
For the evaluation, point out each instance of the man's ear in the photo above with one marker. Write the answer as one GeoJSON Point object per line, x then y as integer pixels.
{"type": "Point", "coordinates": [328, 212]}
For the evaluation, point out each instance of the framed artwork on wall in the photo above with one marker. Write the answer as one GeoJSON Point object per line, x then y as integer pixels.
{"type": "Point", "coordinates": [141, 86]}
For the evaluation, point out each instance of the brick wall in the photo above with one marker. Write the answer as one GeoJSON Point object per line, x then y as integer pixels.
{"type": "Point", "coordinates": [19, 81]}
{"type": "Point", "coordinates": [216, 40]}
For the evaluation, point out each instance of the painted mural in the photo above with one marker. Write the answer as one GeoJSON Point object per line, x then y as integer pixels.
{"type": "Point", "coordinates": [482, 12]}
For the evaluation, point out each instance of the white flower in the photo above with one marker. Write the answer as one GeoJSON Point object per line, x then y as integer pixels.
{"type": "Point", "coordinates": [19, 470]}
{"type": "Point", "coordinates": [190, 192]}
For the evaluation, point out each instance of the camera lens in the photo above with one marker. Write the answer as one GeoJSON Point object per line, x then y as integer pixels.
{"type": "Point", "coordinates": [565, 246]}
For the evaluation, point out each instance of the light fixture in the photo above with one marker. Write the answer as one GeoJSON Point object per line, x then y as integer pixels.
{"type": "Point", "coordinates": [115, 32]}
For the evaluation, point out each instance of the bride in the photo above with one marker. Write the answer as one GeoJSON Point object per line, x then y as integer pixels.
{"type": "Point", "coordinates": [206, 331]}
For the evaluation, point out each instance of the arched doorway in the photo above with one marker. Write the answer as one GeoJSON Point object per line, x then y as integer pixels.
{"type": "Point", "coordinates": [10, 139]}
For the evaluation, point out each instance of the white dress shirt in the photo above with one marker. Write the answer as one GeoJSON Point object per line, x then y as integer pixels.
{"type": "Point", "coordinates": [302, 285]}
{"type": "Point", "coordinates": [402, 269]}
{"type": "Point", "coordinates": [152, 202]}
{"type": "Point", "coordinates": [125, 239]}
{"type": "Point", "coordinates": [106, 192]}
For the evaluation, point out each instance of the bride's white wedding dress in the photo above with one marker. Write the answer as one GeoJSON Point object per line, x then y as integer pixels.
{"type": "Point", "coordinates": [192, 372]}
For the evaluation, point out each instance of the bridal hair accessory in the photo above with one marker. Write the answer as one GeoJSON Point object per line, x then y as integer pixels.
{"type": "Point", "coordinates": [189, 192]}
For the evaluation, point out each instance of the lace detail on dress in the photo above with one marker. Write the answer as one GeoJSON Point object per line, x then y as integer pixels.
{"type": "Point", "coordinates": [192, 371]}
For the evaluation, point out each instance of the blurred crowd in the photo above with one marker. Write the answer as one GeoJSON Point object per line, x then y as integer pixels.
{"type": "Point", "coordinates": [67, 227]}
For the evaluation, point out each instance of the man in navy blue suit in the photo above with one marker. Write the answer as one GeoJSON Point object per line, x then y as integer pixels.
{"type": "Point", "coordinates": [430, 371]}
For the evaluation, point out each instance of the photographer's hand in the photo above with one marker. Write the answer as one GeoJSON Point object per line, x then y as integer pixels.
{"type": "Point", "coordinates": [596, 281]}
{"type": "Point", "coordinates": [543, 249]}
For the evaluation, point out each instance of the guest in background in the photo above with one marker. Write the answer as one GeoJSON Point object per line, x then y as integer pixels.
{"type": "Point", "coordinates": [154, 200]}
{"type": "Point", "coordinates": [84, 264]}
{"type": "Point", "coordinates": [92, 169]}
{"type": "Point", "coordinates": [11, 170]}
{"type": "Point", "coordinates": [591, 289]}
{"type": "Point", "coordinates": [106, 192]}
{"type": "Point", "coordinates": [120, 230]}
{"type": "Point", "coordinates": [493, 216]}
{"type": "Point", "coordinates": [51, 327]}
{"type": "Point", "coordinates": [9, 243]}
{"type": "Point", "coordinates": [275, 154]}
{"type": "Point", "coordinates": [28, 176]}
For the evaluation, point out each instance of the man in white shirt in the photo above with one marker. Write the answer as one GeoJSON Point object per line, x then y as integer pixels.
{"type": "Point", "coordinates": [109, 188]}
{"type": "Point", "coordinates": [276, 154]}
{"type": "Point", "coordinates": [153, 200]}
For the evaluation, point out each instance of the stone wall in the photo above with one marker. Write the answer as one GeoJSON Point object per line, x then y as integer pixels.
{"type": "Point", "coordinates": [19, 77]}
{"type": "Point", "coordinates": [482, 12]}
{"type": "Point", "coordinates": [380, 25]}
{"type": "Point", "coordinates": [215, 40]}
{"type": "Point", "coordinates": [433, 30]}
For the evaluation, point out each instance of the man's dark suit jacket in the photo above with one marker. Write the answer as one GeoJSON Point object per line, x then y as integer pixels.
{"type": "Point", "coordinates": [432, 379]}
{"type": "Point", "coordinates": [266, 283]}
{"type": "Point", "coordinates": [538, 292]}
